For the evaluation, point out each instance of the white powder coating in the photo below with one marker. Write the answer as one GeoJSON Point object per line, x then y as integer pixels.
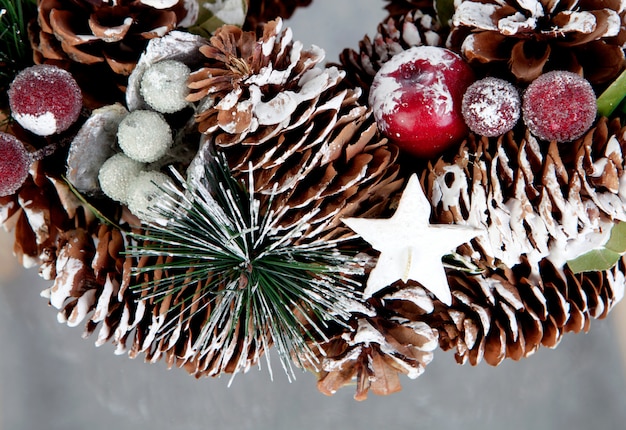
{"type": "Point", "coordinates": [147, 188]}
{"type": "Point", "coordinates": [117, 175]}
{"type": "Point", "coordinates": [42, 125]}
{"type": "Point", "coordinates": [67, 269]}
{"type": "Point", "coordinates": [117, 33]}
{"type": "Point", "coordinates": [144, 136]}
{"type": "Point", "coordinates": [386, 93]}
{"type": "Point", "coordinates": [516, 23]}
{"type": "Point", "coordinates": [164, 86]}
{"type": "Point", "coordinates": [474, 14]}
{"type": "Point", "coordinates": [583, 22]}
{"type": "Point", "coordinates": [160, 4]}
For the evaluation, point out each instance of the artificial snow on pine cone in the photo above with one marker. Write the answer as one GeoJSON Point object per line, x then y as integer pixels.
{"type": "Point", "coordinates": [374, 355]}
{"type": "Point", "coordinates": [266, 103]}
{"type": "Point", "coordinates": [531, 37]}
{"type": "Point", "coordinates": [415, 28]}
{"type": "Point", "coordinates": [543, 207]}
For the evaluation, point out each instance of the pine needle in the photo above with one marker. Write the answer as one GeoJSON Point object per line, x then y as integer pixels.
{"type": "Point", "coordinates": [15, 52]}
{"type": "Point", "coordinates": [220, 249]}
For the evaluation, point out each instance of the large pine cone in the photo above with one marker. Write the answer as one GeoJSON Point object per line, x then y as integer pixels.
{"type": "Point", "coordinates": [107, 38]}
{"type": "Point", "coordinates": [530, 38]}
{"type": "Point", "coordinates": [267, 106]}
{"type": "Point", "coordinates": [541, 204]}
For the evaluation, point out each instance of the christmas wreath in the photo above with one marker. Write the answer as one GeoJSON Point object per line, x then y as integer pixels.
{"type": "Point", "coordinates": [201, 188]}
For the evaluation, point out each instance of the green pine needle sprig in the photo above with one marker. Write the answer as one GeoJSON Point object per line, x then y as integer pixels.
{"type": "Point", "coordinates": [222, 250]}
{"type": "Point", "coordinates": [15, 51]}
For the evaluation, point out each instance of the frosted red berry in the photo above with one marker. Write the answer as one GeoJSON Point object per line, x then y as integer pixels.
{"type": "Point", "coordinates": [416, 99]}
{"type": "Point", "coordinates": [559, 106]}
{"type": "Point", "coordinates": [14, 164]}
{"type": "Point", "coordinates": [491, 107]}
{"type": "Point", "coordinates": [45, 99]}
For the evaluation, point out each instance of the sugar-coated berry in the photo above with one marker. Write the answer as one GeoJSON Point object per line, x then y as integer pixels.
{"type": "Point", "coordinates": [45, 99]}
{"type": "Point", "coordinates": [14, 164]}
{"type": "Point", "coordinates": [164, 86]}
{"type": "Point", "coordinates": [144, 136]}
{"type": "Point", "coordinates": [146, 190]}
{"type": "Point", "coordinates": [117, 175]}
{"type": "Point", "coordinates": [559, 106]}
{"type": "Point", "coordinates": [491, 106]}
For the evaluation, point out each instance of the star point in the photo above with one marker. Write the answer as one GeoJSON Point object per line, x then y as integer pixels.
{"type": "Point", "coordinates": [410, 247]}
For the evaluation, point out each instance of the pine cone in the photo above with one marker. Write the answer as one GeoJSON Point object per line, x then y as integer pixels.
{"type": "Point", "coordinates": [375, 354]}
{"type": "Point", "coordinates": [419, 27]}
{"type": "Point", "coordinates": [539, 205]}
{"type": "Point", "coordinates": [95, 38]}
{"type": "Point", "coordinates": [267, 106]}
{"type": "Point", "coordinates": [398, 8]}
{"type": "Point", "coordinates": [262, 11]}
{"type": "Point", "coordinates": [585, 37]}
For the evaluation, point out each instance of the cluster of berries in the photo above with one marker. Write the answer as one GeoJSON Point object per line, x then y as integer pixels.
{"type": "Point", "coordinates": [426, 98]}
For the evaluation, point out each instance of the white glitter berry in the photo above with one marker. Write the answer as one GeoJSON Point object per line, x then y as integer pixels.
{"type": "Point", "coordinates": [144, 136]}
{"type": "Point", "coordinates": [164, 86]}
{"type": "Point", "coordinates": [147, 188]}
{"type": "Point", "coordinates": [116, 176]}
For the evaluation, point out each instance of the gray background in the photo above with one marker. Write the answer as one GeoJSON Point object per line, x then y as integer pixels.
{"type": "Point", "coordinates": [51, 378]}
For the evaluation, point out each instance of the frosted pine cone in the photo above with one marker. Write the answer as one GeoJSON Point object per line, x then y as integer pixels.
{"type": "Point", "coordinates": [541, 207]}
{"type": "Point", "coordinates": [530, 38]}
{"type": "Point", "coordinates": [98, 32]}
{"type": "Point", "coordinates": [269, 108]}
{"type": "Point", "coordinates": [375, 354]}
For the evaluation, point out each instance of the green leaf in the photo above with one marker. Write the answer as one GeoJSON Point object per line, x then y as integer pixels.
{"type": "Point", "coordinates": [215, 13]}
{"type": "Point", "coordinates": [617, 241]}
{"type": "Point", "coordinates": [594, 260]}
{"type": "Point", "coordinates": [610, 99]}
{"type": "Point", "coordinates": [445, 11]}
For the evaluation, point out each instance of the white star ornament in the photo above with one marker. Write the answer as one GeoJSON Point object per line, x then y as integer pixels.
{"type": "Point", "coordinates": [410, 247]}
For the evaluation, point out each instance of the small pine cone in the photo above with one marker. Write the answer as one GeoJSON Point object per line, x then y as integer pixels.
{"type": "Point", "coordinates": [398, 8]}
{"type": "Point", "coordinates": [375, 353]}
{"type": "Point", "coordinates": [419, 27]}
{"type": "Point", "coordinates": [540, 206]}
{"type": "Point", "coordinates": [96, 33]}
{"type": "Point", "coordinates": [265, 104]}
{"type": "Point", "coordinates": [530, 38]}
{"type": "Point", "coordinates": [262, 11]}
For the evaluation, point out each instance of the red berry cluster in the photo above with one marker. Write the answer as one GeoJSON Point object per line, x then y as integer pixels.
{"type": "Point", "coordinates": [425, 99]}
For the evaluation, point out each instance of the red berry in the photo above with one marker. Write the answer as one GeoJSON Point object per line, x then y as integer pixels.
{"type": "Point", "coordinates": [559, 106]}
{"type": "Point", "coordinates": [491, 107]}
{"type": "Point", "coordinates": [14, 164]}
{"type": "Point", "coordinates": [45, 99]}
{"type": "Point", "coordinates": [416, 99]}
